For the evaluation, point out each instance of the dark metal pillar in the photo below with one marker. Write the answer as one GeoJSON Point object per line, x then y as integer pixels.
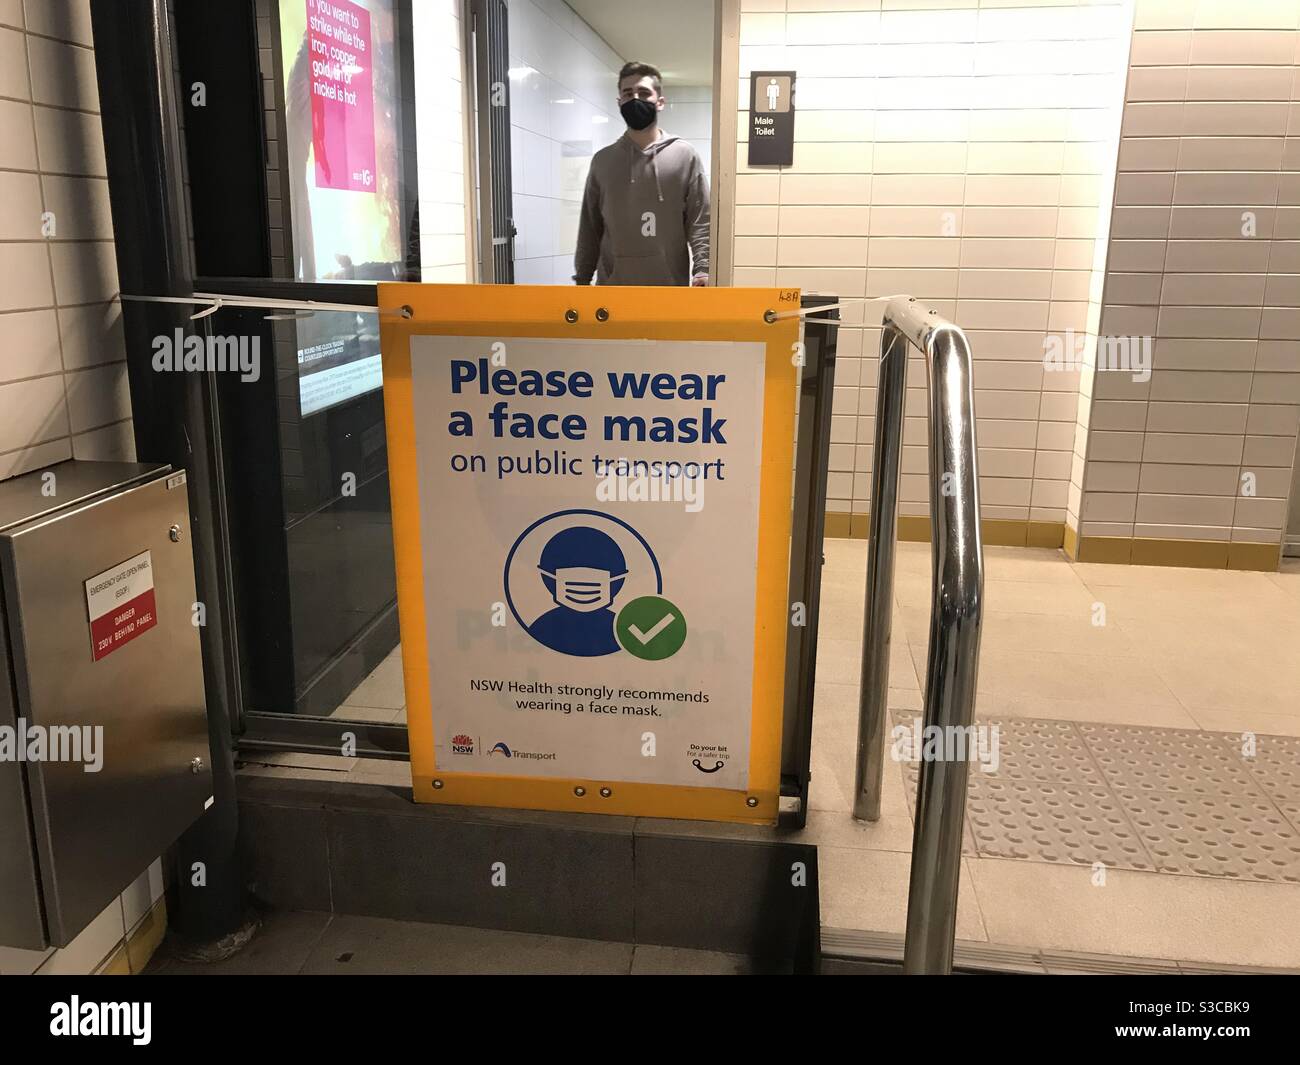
{"type": "Point", "coordinates": [175, 415]}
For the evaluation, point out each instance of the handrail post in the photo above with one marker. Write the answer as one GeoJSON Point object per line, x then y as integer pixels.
{"type": "Point", "coordinates": [955, 617]}
{"type": "Point", "coordinates": [878, 620]}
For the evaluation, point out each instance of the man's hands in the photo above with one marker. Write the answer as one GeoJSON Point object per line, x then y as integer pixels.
{"type": "Point", "coordinates": [700, 282]}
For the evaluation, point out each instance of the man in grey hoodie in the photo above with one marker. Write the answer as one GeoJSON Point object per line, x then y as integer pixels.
{"type": "Point", "coordinates": [645, 210]}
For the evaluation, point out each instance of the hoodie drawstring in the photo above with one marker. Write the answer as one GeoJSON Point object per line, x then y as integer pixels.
{"type": "Point", "coordinates": [654, 166]}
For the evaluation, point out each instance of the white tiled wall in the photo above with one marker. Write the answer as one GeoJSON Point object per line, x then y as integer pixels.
{"type": "Point", "coordinates": [100, 941]}
{"type": "Point", "coordinates": [1211, 139]}
{"type": "Point", "coordinates": [63, 384]}
{"type": "Point", "coordinates": [563, 109]}
{"type": "Point", "coordinates": [959, 151]}
{"type": "Point", "coordinates": [63, 387]}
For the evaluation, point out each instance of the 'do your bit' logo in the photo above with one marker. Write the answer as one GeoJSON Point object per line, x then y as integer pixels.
{"type": "Point", "coordinates": [708, 758]}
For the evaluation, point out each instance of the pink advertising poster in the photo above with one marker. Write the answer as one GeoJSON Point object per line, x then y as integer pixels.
{"type": "Point", "coordinates": [342, 95]}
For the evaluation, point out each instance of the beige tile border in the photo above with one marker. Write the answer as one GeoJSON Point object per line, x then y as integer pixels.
{"type": "Point", "coordinates": [144, 940]}
{"type": "Point", "coordinates": [1202, 554]}
{"type": "Point", "coordinates": [1045, 533]}
{"type": "Point", "coordinates": [1265, 557]}
{"type": "Point", "coordinates": [915, 529]}
{"type": "Point", "coordinates": [1137, 551]}
{"type": "Point", "coordinates": [1104, 549]}
{"type": "Point", "coordinates": [116, 963]}
{"type": "Point", "coordinates": [837, 525]}
{"type": "Point", "coordinates": [1196, 554]}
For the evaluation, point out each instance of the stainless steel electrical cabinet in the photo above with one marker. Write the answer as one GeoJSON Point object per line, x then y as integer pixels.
{"type": "Point", "coordinates": [104, 757]}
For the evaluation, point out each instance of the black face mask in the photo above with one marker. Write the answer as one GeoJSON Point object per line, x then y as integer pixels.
{"type": "Point", "coordinates": [637, 113]}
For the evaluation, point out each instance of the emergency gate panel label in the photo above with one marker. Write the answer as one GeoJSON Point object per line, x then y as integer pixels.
{"type": "Point", "coordinates": [121, 604]}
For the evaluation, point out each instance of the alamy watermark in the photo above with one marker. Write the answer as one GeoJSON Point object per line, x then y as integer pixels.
{"type": "Point", "coordinates": [133, 1020]}
{"type": "Point", "coordinates": [53, 743]}
{"type": "Point", "coordinates": [237, 354]}
{"type": "Point", "coordinates": [640, 481]}
{"type": "Point", "coordinates": [1065, 351]}
{"type": "Point", "coordinates": [948, 743]}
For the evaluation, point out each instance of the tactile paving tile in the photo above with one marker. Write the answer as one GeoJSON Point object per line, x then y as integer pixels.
{"type": "Point", "coordinates": [1031, 749]}
{"type": "Point", "coordinates": [1275, 767]}
{"type": "Point", "coordinates": [1168, 761]}
{"type": "Point", "coordinates": [1174, 800]}
{"type": "Point", "coordinates": [1061, 823]}
{"type": "Point", "coordinates": [1242, 837]}
{"type": "Point", "coordinates": [1043, 756]}
{"type": "Point", "coordinates": [912, 779]}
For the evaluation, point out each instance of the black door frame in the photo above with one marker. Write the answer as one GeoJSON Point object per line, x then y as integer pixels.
{"type": "Point", "coordinates": [179, 416]}
{"type": "Point", "coordinates": [167, 152]}
{"type": "Point", "coordinates": [174, 413]}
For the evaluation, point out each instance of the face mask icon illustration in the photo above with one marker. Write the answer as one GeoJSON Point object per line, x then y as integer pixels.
{"type": "Point", "coordinates": [583, 570]}
{"type": "Point", "coordinates": [582, 587]}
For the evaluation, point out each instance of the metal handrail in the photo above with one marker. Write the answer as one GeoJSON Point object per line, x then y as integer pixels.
{"type": "Point", "coordinates": [956, 612]}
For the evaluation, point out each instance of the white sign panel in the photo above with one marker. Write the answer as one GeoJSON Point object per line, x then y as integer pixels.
{"type": "Point", "coordinates": [588, 522]}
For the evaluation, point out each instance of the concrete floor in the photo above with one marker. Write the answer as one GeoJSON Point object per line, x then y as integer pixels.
{"type": "Point", "coordinates": [1207, 655]}
{"type": "Point", "coordinates": [380, 697]}
{"type": "Point", "coordinates": [1189, 650]}
{"type": "Point", "coordinates": [322, 944]}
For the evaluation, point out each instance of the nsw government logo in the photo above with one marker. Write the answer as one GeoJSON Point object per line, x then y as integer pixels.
{"type": "Point", "coordinates": [462, 744]}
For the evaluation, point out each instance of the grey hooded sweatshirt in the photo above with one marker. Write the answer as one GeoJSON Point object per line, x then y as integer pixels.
{"type": "Point", "coordinates": [616, 239]}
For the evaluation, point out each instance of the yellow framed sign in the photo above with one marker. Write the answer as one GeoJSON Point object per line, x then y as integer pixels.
{"type": "Point", "coordinates": [591, 492]}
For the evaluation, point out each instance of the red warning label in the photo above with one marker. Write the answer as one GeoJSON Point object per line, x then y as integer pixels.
{"type": "Point", "coordinates": [121, 604]}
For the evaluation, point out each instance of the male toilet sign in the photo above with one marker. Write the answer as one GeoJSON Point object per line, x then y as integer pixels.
{"type": "Point", "coordinates": [771, 118]}
{"type": "Point", "coordinates": [591, 521]}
